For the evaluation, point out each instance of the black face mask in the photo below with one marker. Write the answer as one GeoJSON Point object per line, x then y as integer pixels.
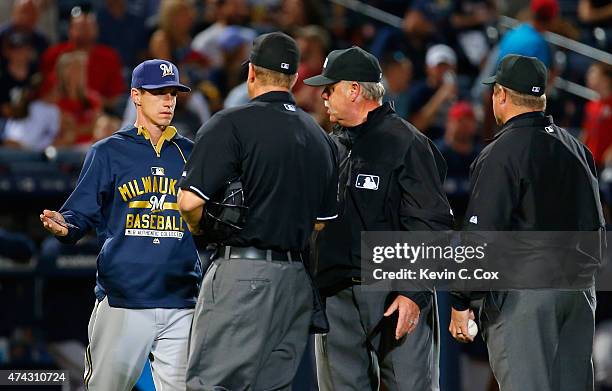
{"type": "Point", "coordinates": [225, 213]}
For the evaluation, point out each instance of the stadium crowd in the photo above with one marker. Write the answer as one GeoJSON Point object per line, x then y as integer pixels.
{"type": "Point", "coordinates": [64, 84]}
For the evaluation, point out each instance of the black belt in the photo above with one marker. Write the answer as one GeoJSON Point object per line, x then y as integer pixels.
{"type": "Point", "coordinates": [256, 254]}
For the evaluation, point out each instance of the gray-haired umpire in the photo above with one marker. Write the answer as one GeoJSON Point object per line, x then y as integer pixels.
{"type": "Point", "coordinates": [391, 179]}
{"type": "Point", "coordinates": [254, 310]}
{"type": "Point", "coordinates": [534, 176]}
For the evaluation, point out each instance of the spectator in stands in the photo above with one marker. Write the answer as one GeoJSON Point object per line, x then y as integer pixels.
{"type": "Point", "coordinates": [431, 98]}
{"type": "Point", "coordinates": [104, 69]}
{"type": "Point", "coordinates": [597, 126]}
{"type": "Point", "coordinates": [299, 13]}
{"type": "Point", "coordinates": [172, 39]}
{"type": "Point", "coordinates": [106, 124]}
{"type": "Point", "coordinates": [37, 130]}
{"type": "Point", "coordinates": [79, 105]}
{"type": "Point", "coordinates": [114, 20]}
{"type": "Point", "coordinates": [235, 43]}
{"type": "Point", "coordinates": [16, 74]}
{"type": "Point", "coordinates": [16, 246]}
{"type": "Point", "coordinates": [397, 71]}
{"type": "Point", "coordinates": [23, 20]}
{"type": "Point", "coordinates": [459, 150]}
{"type": "Point", "coordinates": [597, 13]}
{"type": "Point", "coordinates": [426, 19]}
{"type": "Point", "coordinates": [224, 13]}
{"type": "Point", "coordinates": [527, 39]}
{"type": "Point", "coordinates": [469, 19]}
{"type": "Point", "coordinates": [417, 34]}
{"type": "Point", "coordinates": [314, 43]}
{"type": "Point", "coordinates": [65, 116]}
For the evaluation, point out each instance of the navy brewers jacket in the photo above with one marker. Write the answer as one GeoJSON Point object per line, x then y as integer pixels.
{"type": "Point", "coordinates": [127, 191]}
{"type": "Point", "coordinates": [391, 179]}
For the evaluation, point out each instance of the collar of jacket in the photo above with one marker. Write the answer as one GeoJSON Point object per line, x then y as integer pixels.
{"type": "Point", "coordinates": [275, 96]}
{"type": "Point", "coordinates": [531, 119]}
{"type": "Point", "coordinates": [373, 120]}
{"type": "Point", "coordinates": [167, 135]}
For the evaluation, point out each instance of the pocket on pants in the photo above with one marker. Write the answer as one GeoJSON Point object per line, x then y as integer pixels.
{"type": "Point", "coordinates": [208, 284]}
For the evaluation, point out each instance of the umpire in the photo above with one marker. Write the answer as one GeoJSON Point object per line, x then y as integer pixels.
{"type": "Point", "coordinates": [534, 176]}
{"type": "Point", "coordinates": [391, 178]}
{"type": "Point", "coordinates": [254, 309]}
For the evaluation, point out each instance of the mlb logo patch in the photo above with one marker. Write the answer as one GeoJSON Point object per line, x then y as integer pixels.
{"type": "Point", "coordinates": [368, 182]}
{"type": "Point", "coordinates": [284, 65]}
{"type": "Point", "coordinates": [157, 171]}
{"type": "Point", "coordinates": [535, 89]}
{"type": "Point", "coordinates": [474, 219]}
{"type": "Point", "coordinates": [289, 107]}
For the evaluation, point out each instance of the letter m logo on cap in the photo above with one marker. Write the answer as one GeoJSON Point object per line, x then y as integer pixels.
{"type": "Point", "coordinates": [166, 70]}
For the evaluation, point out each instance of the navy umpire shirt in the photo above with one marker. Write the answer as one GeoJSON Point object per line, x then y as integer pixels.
{"type": "Point", "coordinates": [286, 162]}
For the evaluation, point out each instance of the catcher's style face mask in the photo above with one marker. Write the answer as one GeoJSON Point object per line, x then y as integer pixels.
{"type": "Point", "coordinates": [225, 213]}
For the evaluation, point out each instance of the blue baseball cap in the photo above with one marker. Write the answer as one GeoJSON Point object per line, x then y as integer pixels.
{"type": "Point", "coordinates": [153, 74]}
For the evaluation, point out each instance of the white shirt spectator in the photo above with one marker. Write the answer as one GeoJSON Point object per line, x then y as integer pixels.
{"type": "Point", "coordinates": [36, 131]}
{"type": "Point", "coordinates": [206, 43]}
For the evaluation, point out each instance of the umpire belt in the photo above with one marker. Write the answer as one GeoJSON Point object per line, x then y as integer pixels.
{"type": "Point", "coordinates": [256, 254]}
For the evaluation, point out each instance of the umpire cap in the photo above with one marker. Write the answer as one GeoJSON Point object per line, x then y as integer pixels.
{"type": "Point", "coordinates": [275, 51]}
{"type": "Point", "coordinates": [523, 74]}
{"type": "Point", "coordinates": [353, 64]}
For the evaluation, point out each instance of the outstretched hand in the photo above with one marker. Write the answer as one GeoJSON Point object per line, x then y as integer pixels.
{"type": "Point", "coordinates": [54, 222]}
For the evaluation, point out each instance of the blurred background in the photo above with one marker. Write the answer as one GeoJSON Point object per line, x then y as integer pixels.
{"type": "Point", "coordinates": [65, 67]}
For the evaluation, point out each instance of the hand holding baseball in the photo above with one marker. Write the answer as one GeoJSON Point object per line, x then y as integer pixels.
{"type": "Point", "coordinates": [54, 222]}
{"type": "Point", "coordinates": [460, 327]}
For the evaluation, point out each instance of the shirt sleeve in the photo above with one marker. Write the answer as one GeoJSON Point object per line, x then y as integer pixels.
{"type": "Point", "coordinates": [423, 205]}
{"type": "Point", "coordinates": [329, 206]}
{"type": "Point", "coordinates": [83, 209]}
{"type": "Point", "coordinates": [215, 159]}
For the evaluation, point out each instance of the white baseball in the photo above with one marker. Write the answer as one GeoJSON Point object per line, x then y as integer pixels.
{"type": "Point", "coordinates": [472, 328]}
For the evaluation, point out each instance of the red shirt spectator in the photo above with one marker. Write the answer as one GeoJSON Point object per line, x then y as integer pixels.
{"type": "Point", "coordinates": [84, 112]}
{"type": "Point", "coordinates": [598, 128]}
{"type": "Point", "coordinates": [104, 69]}
{"type": "Point", "coordinates": [597, 123]}
{"type": "Point", "coordinates": [79, 105]}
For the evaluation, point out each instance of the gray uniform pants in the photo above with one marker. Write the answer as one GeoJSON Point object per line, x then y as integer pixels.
{"type": "Point", "coordinates": [360, 350]}
{"type": "Point", "coordinates": [122, 339]}
{"type": "Point", "coordinates": [540, 340]}
{"type": "Point", "coordinates": [250, 327]}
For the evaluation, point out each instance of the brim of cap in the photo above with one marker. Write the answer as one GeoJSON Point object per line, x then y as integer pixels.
{"type": "Point", "coordinates": [178, 86]}
{"type": "Point", "coordinates": [490, 80]}
{"type": "Point", "coordinates": [319, 80]}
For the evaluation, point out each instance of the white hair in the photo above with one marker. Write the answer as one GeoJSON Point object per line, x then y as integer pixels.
{"type": "Point", "coordinates": [372, 91]}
